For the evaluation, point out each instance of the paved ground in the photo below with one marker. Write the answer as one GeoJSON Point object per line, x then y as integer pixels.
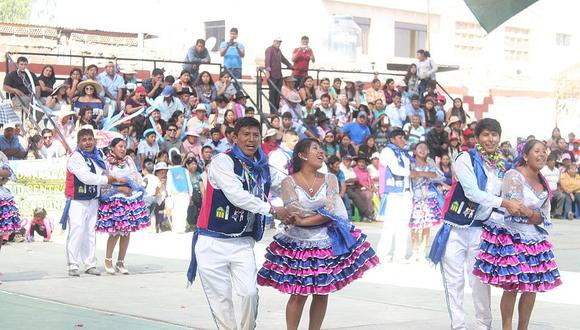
{"type": "Point", "coordinates": [36, 292]}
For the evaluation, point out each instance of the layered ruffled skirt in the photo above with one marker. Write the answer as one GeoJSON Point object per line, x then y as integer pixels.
{"type": "Point", "coordinates": [304, 267]}
{"type": "Point", "coordinates": [516, 263]}
{"type": "Point", "coordinates": [426, 213]}
{"type": "Point", "coordinates": [120, 214]}
{"type": "Point", "coordinates": [9, 216]}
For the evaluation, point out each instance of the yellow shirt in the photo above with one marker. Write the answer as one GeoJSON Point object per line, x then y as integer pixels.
{"type": "Point", "coordinates": [570, 183]}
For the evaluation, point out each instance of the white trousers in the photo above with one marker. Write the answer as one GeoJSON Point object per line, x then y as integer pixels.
{"type": "Point", "coordinates": [396, 226]}
{"type": "Point", "coordinates": [462, 248]}
{"type": "Point", "coordinates": [179, 212]}
{"type": "Point", "coordinates": [81, 239]}
{"type": "Point", "coordinates": [223, 263]}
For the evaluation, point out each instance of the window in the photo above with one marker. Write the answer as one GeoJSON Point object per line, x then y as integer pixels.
{"type": "Point", "coordinates": [216, 29]}
{"type": "Point", "coordinates": [563, 39]}
{"type": "Point", "coordinates": [409, 38]}
{"type": "Point", "coordinates": [517, 44]}
{"type": "Point", "coordinates": [365, 26]}
{"type": "Point", "coordinates": [468, 38]}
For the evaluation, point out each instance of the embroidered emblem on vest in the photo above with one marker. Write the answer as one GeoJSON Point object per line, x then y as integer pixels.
{"type": "Point", "coordinates": [220, 213]}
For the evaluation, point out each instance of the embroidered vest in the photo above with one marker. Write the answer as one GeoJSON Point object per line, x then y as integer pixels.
{"type": "Point", "coordinates": [220, 218]}
{"type": "Point", "coordinates": [394, 183]}
{"type": "Point", "coordinates": [77, 190]}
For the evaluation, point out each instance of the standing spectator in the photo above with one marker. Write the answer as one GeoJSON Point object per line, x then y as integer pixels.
{"type": "Point", "coordinates": [154, 85]}
{"type": "Point", "coordinates": [50, 149]}
{"type": "Point", "coordinates": [438, 141]}
{"type": "Point", "coordinates": [570, 183]}
{"type": "Point", "coordinates": [18, 84]}
{"type": "Point", "coordinates": [426, 69]}
{"type": "Point", "coordinates": [10, 145]}
{"type": "Point", "coordinates": [359, 129]}
{"type": "Point", "coordinates": [232, 52]}
{"type": "Point", "coordinates": [46, 80]}
{"type": "Point", "coordinates": [552, 175]}
{"type": "Point", "coordinates": [411, 80]}
{"type": "Point", "coordinates": [197, 55]}
{"type": "Point", "coordinates": [113, 84]}
{"type": "Point", "coordinates": [301, 57]}
{"type": "Point", "coordinates": [552, 142]}
{"type": "Point", "coordinates": [273, 67]}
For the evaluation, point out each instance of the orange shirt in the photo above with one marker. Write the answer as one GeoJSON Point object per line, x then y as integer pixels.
{"type": "Point", "coordinates": [570, 183]}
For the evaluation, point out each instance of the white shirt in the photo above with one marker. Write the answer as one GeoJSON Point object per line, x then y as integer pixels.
{"type": "Point", "coordinates": [278, 161]}
{"type": "Point", "coordinates": [348, 173]}
{"type": "Point", "coordinates": [55, 150]}
{"type": "Point", "coordinates": [148, 151]}
{"type": "Point", "coordinates": [396, 115]}
{"type": "Point", "coordinates": [552, 176]}
{"type": "Point", "coordinates": [167, 109]}
{"type": "Point", "coordinates": [388, 159]}
{"type": "Point", "coordinates": [221, 176]}
{"type": "Point", "coordinates": [76, 165]}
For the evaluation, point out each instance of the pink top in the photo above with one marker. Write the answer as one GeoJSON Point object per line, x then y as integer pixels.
{"type": "Point", "coordinates": [362, 176]}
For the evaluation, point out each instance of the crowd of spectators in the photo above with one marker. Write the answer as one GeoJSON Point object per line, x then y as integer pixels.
{"type": "Point", "coordinates": [186, 119]}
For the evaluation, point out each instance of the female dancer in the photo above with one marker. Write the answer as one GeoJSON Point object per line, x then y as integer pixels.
{"type": "Point", "coordinates": [321, 253]}
{"type": "Point", "coordinates": [122, 209]}
{"type": "Point", "coordinates": [515, 253]}
{"type": "Point", "coordinates": [9, 217]}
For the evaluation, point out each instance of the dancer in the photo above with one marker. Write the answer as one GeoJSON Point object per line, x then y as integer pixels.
{"type": "Point", "coordinates": [85, 173]}
{"type": "Point", "coordinates": [515, 254]}
{"type": "Point", "coordinates": [427, 199]}
{"type": "Point", "coordinates": [9, 216]}
{"type": "Point", "coordinates": [468, 204]}
{"type": "Point", "coordinates": [322, 252]}
{"type": "Point", "coordinates": [396, 200]}
{"type": "Point", "coordinates": [122, 209]}
{"type": "Point", "coordinates": [231, 220]}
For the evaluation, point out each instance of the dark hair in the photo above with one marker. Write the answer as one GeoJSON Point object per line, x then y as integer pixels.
{"type": "Point", "coordinates": [84, 132]}
{"type": "Point", "coordinates": [190, 160]}
{"type": "Point", "coordinates": [234, 30]}
{"type": "Point", "coordinates": [169, 79]}
{"type": "Point", "coordinates": [176, 159]}
{"type": "Point", "coordinates": [336, 79]}
{"type": "Point", "coordinates": [48, 66]}
{"type": "Point", "coordinates": [224, 72]}
{"type": "Point", "coordinates": [324, 96]}
{"type": "Point", "coordinates": [288, 114]}
{"type": "Point", "coordinates": [33, 141]}
{"type": "Point", "coordinates": [390, 80]}
{"type": "Point", "coordinates": [301, 147]}
{"type": "Point", "coordinates": [251, 109]}
{"type": "Point", "coordinates": [46, 130]}
{"type": "Point", "coordinates": [304, 38]}
{"type": "Point", "coordinates": [226, 114]}
{"type": "Point", "coordinates": [149, 165]}
{"type": "Point", "coordinates": [409, 74]}
{"type": "Point", "coordinates": [200, 41]}
{"type": "Point", "coordinates": [489, 124]}
{"type": "Point", "coordinates": [116, 141]}
{"type": "Point", "coordinates": [199, 82]}
{"type": "Point", "coordinates": [175, 116]}
{"type": "Point", "coordinates": [376, 80]}
{"type": "Point", "coordinates": [184, 72]}
{"type": "Point", "coordinates": [157, 72]}
{"type": "Point", "coordinates": [246, 122]}
{"type": "Point", "coordinates": [122, 127]}
{"type": "Point", "coordinates": [83, 110]}
{"type": "Point", "coordinates": [22, 59]}
{"type": "Point", "coordinates": [526, 150]}
{"type": "Point", "coordinates": [420, 143]}
{"type": "Point", "coordinates": [73, 70]}
{"type": "Point", "coordinates": [333, 159]}
{"type": "Point", "coordinates": [91, 67]}
{"type": "Point", "coordinates": [421, 51]}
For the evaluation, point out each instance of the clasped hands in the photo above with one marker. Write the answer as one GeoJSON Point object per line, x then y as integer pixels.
{"type": "Point", "coordinates": [284, 216]}
{"type": "Point", "coordinates": [518, 209]}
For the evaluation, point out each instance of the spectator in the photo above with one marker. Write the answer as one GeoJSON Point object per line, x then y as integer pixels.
{"type": "Point", "coordinates": [85, 117]}
{"type": "Point", "coordinates": [362, 191]}
{"type": "Point", "coordinates": [273, 67]}
{"type": "Point", "coordinates": [329, 145]}
{"type": "Point", "coordinates": [552, 175]}
{"type": "Point", "coordinates": [199, 123]}
{"type": "Point", "coordinates": [10, 145]}
{"type": "Point", "coordinates": [374, 93]}
{"type": "Point", "coordinates": [342, 112]}
{"type": "Point", "coordinates": [447, 170]}
{"type": "Point", "coordinates": [91, 73]}
{"type": "Point", "coordinates": [426, 69]}
{"type": "Point", "coordinates": [154, 85]}
{"type": "Point", "coordinates": [307, 90]}
{"type": "Point", "coordinates": [197, 194]}
{"type": "Point", "coordinates": [440, 108]}
{"type": "Point", "coordinates": [468, 131]}
{"type": "Point", "coordinates": [301, 57]}
{"type": "Point", "coordinates": [34, 147]}
{"type": "Point", "coordinates": [148, 148]}
{"type": "Point", "coordinates": [225, 87]}
{"type": "Point", "coordinates": [58, 98]}
{"type": "Point", "coordinates": [46, 81]}
{"type": "Point", "coordinates": [416, 110]}
{"type": "Point", "coordinates": [378, 110]}
{"type": "Point", "coordinates": [191, 144]}
{"type": "Point", "coordinates": [19, 85]}
{"type": "Point", "coordinates": [368, 148]}
{"type": "Point", "coordinates": [233, 52]}
{"type": "Point", "coordinates": [184, 83]}
{"type": "Point", "coordinates": [457, 111]}
{"type": "Point", "coordinates": [360, 94]}
{"type": "Point", "coordinates": [438, 141]}
{"type": "Point", "coordinates": [74, 78]}
{"type": "Point", "coordinates": [335, 88]}
{"type": "Point", "coordinates": [205, 159]}
{"type": "Point", "coordinates": [216, 142]}
{"type": "Point", "coordinates": [507, 152]}
{"type": "Point", "coordinates": [229, 121]}
{"type": "Point", "coordinates": [454, 127]}
{"type": "Point", "coordinates": [374, 172]}
{"type": "Point", "coordinates": [454, 148]}
{"type": "Point", "coordinates": [334, 168]}
{"type": "Point", "coordinates": [563, 150]}
{"type": "Point", "coordinates": [350, 92]}
{"type": "Point", "coordinates": [287, 88]}
{"type": "Point", "coordinates": [414, 131]}
{"type": "Point", "coordinates": [39, 224]}
{"type": "Point", "coordinates": [239, 106]}
{"type": "Point", "coordinates": [89, 97]}
{"type": "Point", "coordinates": [171, 139]}
{"type": "Point", "coordinates": [197, 55]}
{"type": "Point", "coordinates": [359, 129]}
{"type": "Point", "coordinates": [411, 80]}
{"type": "Point", "coordinates": [167, 103]}
{"type": "Point", "coordinates": [113, 84]}
{"type": "Point", "coordinates": [130, 138]}
{"type": "Point", "coordinates": [430, 113]}
{"type": "Point", "coordinates": [270, 142]}
{"type": "Point", "coordinates": [396, 112]}
{"type": "Point", "coordinates": [389, 91]}
{"type": "Point", "coordinates": [345, 146]}
{"type": "Point", "coordinates": [206, 90]}
{"type": "Point", "coordinates": [156, 122]}
{"type": "Point", "coordinates": [50, 149]}
{"type": "Point", "coordinates": [570, 184]}
{"type": "Point", "coordinates": [136, 102]}
{"type": "Point", "coordinates": [325, 107]}
{"type": "Point", "coordinates": [430, 92]}
{"type": "Point", "coordinates": [308, 108]}
{"type": "Point", "coordinates": [227, 142]}
{"type": "Point", "coordinates": [552, 142]}
{"type": "Point", "coordinates": [293, 106]}
{"type": "Point", "coordinates": [382, 130]}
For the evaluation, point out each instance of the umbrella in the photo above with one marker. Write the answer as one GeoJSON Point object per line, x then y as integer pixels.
{"type": "Point", "coordinates": [493, 13]}
{"type": "Point", "coordinates": [104, 138]}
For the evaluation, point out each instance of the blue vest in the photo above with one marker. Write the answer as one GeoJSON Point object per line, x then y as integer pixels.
{"type": "Point", "coordinates": [220, 218]}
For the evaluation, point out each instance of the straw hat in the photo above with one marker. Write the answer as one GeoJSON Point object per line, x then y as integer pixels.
{"type": "Point", "coordinates": [453, 119]}
{"type": "Point", "coordinates": [81, 86]}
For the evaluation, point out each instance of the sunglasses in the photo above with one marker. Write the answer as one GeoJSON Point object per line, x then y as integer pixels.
{"type": "Point", "coordinates": [47, 137]}
{"type": "Point", "coordinates": [171, 129]}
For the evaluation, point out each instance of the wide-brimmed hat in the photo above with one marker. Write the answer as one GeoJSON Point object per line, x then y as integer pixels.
{"type": "Point", "coordinates": [55, 89]}
{"type": "Point", "coordinates": [201, 107]}
{"type": "Point", "coordinates": [160, 166]}
{"type": "Point", "coordinates": [270, 132]}
{"type": "Point", "coordinates": [81, 86]}
{"type": "Point", "coordinates": [293, 97]}
{"type": "Point", "coordinates": [191, 132]}
{"type": "Point", "coordinates": [62, 113]}
{"type": "Point", "coordinates": [453, 119]}
{"type": "Point", "coordinates": [290, 78]}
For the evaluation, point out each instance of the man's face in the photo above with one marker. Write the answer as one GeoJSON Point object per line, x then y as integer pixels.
{"type": "Point", "coordinates": [438, 128]}
{"type": "Point", "coordinates": [157, 78]}
{"type": "Point", "coordinates": [233, 35]}
{"type": "Point", "coordinates": [206, 154]}
{"type": "Point", "coordinates": [362, 120]}
{"type": "Point", "coordinates": [397, 102]}
{"type": "Point", "coordinates": [399, 141]}
{"type": "Point", "coordinates": [161, 174]}
{"type": "Point", "coordinates": [377, 85]}
{"type": "Point", "coordinates": [22, 65]}
{"type": "Point", "coordinates": [47, 139]}
{"type": "Point", "coordinates": [150, 138]}
{"type": "Point", "coordinates": [215, 136]}
{"type": "Point", "coordinates": [415, 121]}
{"type": "Point", "coordinates": [110, 68]}
{"type": "Point", "coordinates": [572, 170]}
{"type": "Point", "coordinates": [277, 43]}
{"type": "Point", "coordinates": [290, 141]}
{"type": "Point", "coordinates": [551, 163]}
{"type": "Point", "coordinates": [92, 72]}
{"type": "Point", "coordinates": [415, 104]}
{"type": "Point", "coordinates": [248, 140]}
{"type": "Point", "coordinates": [171, 132]}
{"type": "Point", "coordinates": [489, 140]}
{"type": "Point", "coordinates": [199, 47]}
{"type": "Point", "coordinates": [287, 122]}
{"type": "Point", "coordinates": [325, 102]}
{"type": "Point", "coordinates": [9, 133]}
{"type": "Point", "coordinates": [87, 143]}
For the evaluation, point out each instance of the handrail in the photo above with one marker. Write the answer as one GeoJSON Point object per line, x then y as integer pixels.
{"type": "Point", "coordinates": [241, 88]}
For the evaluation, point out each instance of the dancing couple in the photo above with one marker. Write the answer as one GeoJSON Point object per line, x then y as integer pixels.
{"type": "Point", "coordinates": [318, 252]}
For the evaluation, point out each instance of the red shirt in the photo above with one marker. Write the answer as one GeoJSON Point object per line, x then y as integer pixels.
{"type": "Point", "coordinates": [267, 148]}
{"type": "Point", "coordinates": [302, 61]}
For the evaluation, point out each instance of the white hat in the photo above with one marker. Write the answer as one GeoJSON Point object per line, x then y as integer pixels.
{"type": "Point", "coordinates": [201, 107]}
{"type": "Point", "coordinates": [293, 97]}
{"type": "Point", "coordinates": [9, 125]}
{"type": "Point", "coordinates": [270, 132]}
{"type": "Point", "coordinates": [160, 166]}
{"type": "Point", "coordinates": [375, 155]}
{"type": "Point", "coordinates": [277, 38]}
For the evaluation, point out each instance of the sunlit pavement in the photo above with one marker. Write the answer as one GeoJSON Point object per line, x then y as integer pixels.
{"type": "Point", "coordinates": [37, 293]}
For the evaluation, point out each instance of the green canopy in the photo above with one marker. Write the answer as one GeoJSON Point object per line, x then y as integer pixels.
{"type": "Point", "coordinates": [493, 13]}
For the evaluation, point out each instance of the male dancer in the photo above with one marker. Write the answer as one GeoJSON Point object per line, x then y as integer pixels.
{"type": "Point", "coordinates": [84, 177]}
{"type": "Point", "coordinates": [479, 176]}
{"type": "Point", "coordinates": [230, 221]}
{"type": "Point", "coordinates": [279, 161]}
{"type": "Point", "coordinates": [396, 202]}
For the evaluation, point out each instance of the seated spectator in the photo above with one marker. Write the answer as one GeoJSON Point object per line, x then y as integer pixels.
{"type": "Point", "coordinates": [382, 130]}
{"type": "Point", "coordinates": [154, 85]}
{"type": "Point", "coordinates": [570, 184]}
{"type": "Point", "coordinates": [343, 112]}
{"type": "Point", "coordinates": [374, 170]}
{"type": "Point", "coordinates": [361, 193]}
{"type": "Point", "coordinates": [323, 125]}
{"type": "Point", "coordinates": [506, 150]}
{"type": "Point", "coordinates": [552, 175]}
{"type": "Point", "coordinates": [113, 84]}
{"type": "Point", "coordinates": [58, 98]}
{"type": "Point", "coordinates": [469, 142]}
{"type": "Point", "coordinates": [197, 55]}
{"type": "Point", "coordinates": [396, 112]}
{"type": "Point", "coordinates": [225, 87]}
{"type": "Point", "coordinates": [335, 88]}
{"type": "Point", "coordinates": [156, 122]}
{"type": "Point", "coordinates": [85, 117]}
{"type": "Point", "coordinates": [457, 111]}
{"type": "Point", "coordinates": [171, 139]}
{"type": "Point", "coordinates": [416, 110]}
{"type": "Point", "coordinates": [74, 78]}
{"type": "Point", "coordinates": [334, 164]}
{"type": "Point", "coordinates": [191, 144]}
{"type": "Point", "coordinates": [46, 81]}
{"type": "Point", "coordinates": [308, 129]}
{"type": "Point", "coordinates": [389, 91]}
{"type": "Point", "coordinates": [227, 141]}
{"type": "Point", "coordinates": [329, 145]}
{"type": "Point", "coordinates": [50, 148]}
{"type": "Point", "coordinates": [307, 90]}
{"type": "Point", "coordinates": [468, 131]}
{"type": "Point", "coordinates": [270, 142]}
{"type": "Point", "coordinates": [345, 146]}
{"type": "Point", "coordinates": [65, 123]}
{"type": "Point", "coordinates": [148, 148]}
{"type": "Point", "coordinates": [215, 142]}
{"type": "Point", "coordinates": [563, 150]}
{"type": "Point", "coordinates": [240, 105]}
{"type": "Point", "coordinates": [378, 110]}
{"type": "Point", "coordinates": [199, 123]}
{"type": "Point", "coordinates": [325, 106]}
{"type": "Point", "coordinates": [323, 88]}
{"type": "Point", "coordinates": [217, 116]}
{"type": "Point", "coordinates": [359, 129]}
{"type": "Point", "coordinates": [454, 127]}
{"type": "Point", "coordinates": [447, 170]}
{"type": "Point", "coordinates": [415, 132]}
{"type": "Point", "coordinates": [438, 141]}
{"type": "Point", "coordinates": [292, 105]}
{"type": "Point", "coordinates": [440, 108]}
{"type": "Point", "coordinates": [167, 103]}
{"type": "Point", "coordinates": [308, 108]}
{"type": "Point", "coordinates": [229, 121]}
{"type": "Point", "coordinates": [454, 148]}
{"type": "Point", "coordinates": [401, 91]}
{"type": "Point", "coordinates": [360, 94]}
{"type": "Point", "coordinates": [287, 87]}
{"type": "Point", "coordinates": [34, 147]}
{"type": "Point", "coordinates": [184, 82]}
{"type": "Point", "coordinates": [431, 91]}
{"type": "Point", "coordinates": [368, 148]}
{"type": "Point", "coordinates": [89, 97]}
{"type": "Point", "coordinates": [430, 114]}
{"type": "Point", "coordinates": [178, 118]}
{"type": "Point", "coordinates": [206, 155]}
{"type": "Point", "coordinates": [375, 92]}
{"type": "Point", "coordinates": [129, 136]}
{"type": "Point", "coordinates": [10, 145]}
{"type": "Point", "coordinates": [250, 112]}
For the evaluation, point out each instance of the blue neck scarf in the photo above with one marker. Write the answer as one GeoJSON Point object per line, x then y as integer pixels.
{"type": "Point", "coordinates": [398, 152]}
{"type": "Point", "coordinates": [95, 155]}
{"type": "Point", "coordinates": [258, 167]}
{"type": "Point", "coordinates": [478, 169]}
